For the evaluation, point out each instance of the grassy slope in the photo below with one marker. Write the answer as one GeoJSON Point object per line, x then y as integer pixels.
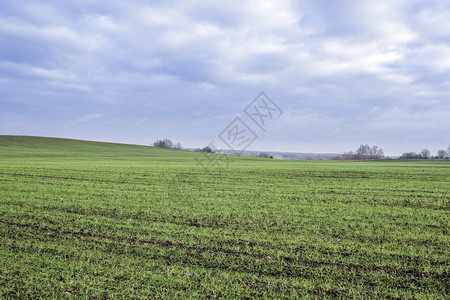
{"type": "Point", "coordinates": [34, 147]}
{"type": "Point", "coordinates": [99, 220]}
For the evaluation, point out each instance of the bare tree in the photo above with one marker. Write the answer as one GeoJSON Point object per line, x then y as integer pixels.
{"type": "Point", "coordinates": [379, 153]}
{"type": "Point", "coordinates": [367, 152]}
{"type": "Point", "coordinates": [442, 154]}
{"type": "Point", "coordinates": [363, 151]}
{"type": "Point", "coordinates": [177, 146]}
{"type": "Point", "coordinates": [425, 153]}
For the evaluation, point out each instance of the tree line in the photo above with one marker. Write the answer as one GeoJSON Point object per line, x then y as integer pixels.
{"type": "Point", "coordinates": [368, 152]}
{"type": "Point", "coordinates": [362, 152]}
{"type": "Point", "coordinates": [426, 154]}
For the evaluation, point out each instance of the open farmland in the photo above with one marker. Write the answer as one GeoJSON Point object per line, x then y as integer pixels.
{"type": "Point", "coordinates": [97, 220]}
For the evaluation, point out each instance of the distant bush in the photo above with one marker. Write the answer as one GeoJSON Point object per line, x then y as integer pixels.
{"type": "Point", "coordinates": [261, 155]}
{"type": "Point", "coordinates": [206, 149]}
{"type": "Point", "coordinates": [410, 155]}
{"type": "Point", "coordinates": [442, 154]}
{"type": "Point", "coordinates": [424, 154]}
{"type": "Point", "coordinates": [167, 144]}
{"type": "Point", "coordinates": [363, 152]}
{"type": "Point", "coordinates": [264, 155]}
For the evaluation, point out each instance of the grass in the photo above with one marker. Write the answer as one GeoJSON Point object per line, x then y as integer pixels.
{"type": "Point", "coordinates": [98, 220]}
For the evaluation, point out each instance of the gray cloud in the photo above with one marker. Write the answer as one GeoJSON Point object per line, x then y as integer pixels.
{"type": "Point", "coordinates": [345, 72]}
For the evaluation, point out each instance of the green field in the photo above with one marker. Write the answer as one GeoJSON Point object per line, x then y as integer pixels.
{"type": "Point", "coordinates": [97, 220]}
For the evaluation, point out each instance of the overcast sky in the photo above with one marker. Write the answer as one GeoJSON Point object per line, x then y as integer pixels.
{"type": "Point", "coordinates": [344, 73]}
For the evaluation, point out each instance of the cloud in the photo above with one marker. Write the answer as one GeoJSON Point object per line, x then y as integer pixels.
{"type": "Point", "coordinates": [343, 71]}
